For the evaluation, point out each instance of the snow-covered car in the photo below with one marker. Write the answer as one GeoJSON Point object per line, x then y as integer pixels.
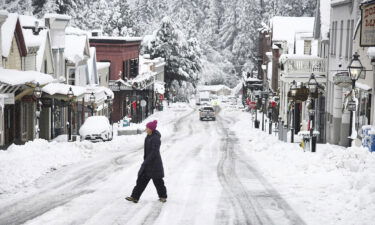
{"type": "Point", "coordinates": [96, 128]}
{"type": "Point", "coordinates": [207, 112]}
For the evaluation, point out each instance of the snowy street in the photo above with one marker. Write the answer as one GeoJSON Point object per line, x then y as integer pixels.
{"type": "Point", "coordinates": [212, 177]}
{"type": "Point", "coordinates": [208, 179]}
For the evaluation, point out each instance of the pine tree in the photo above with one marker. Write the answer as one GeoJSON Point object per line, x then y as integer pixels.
{"type": "Point", "coordinates": [121, 19]}
{"type": "Point", "coordinates": [182, 57]}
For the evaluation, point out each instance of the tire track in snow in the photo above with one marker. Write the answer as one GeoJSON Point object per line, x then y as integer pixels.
{"type": "Point", "coordinates": [241, 202]}
{"type": "Point", "coordinates": [267, 198]}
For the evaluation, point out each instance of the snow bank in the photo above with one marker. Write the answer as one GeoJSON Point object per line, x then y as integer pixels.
{"type": "Point", "coordinates": [334, 186]}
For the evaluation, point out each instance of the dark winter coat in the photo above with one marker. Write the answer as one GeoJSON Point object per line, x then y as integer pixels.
{"type": "Point", "coordinates": [152, 164]}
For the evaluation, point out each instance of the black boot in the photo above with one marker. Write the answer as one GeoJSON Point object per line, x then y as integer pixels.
{"type": "Point", "coordinates": [132, 199]}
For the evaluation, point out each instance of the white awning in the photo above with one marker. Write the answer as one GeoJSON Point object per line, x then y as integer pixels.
{"type": "Point", "coordinates": [18, 77]}
{"type": "Point", "coordinates": [62, 89]}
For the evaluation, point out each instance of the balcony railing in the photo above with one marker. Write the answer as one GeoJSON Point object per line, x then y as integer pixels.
{"type": "Point", "coordinates": [303, 65]}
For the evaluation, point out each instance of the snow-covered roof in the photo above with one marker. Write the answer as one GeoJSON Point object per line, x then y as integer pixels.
{"type": "Point", "coordinates": [17, 77]}
{"type": "Point", "coordinates": [117, 38]}
{"type": "Point", "coordinates": [285, 28]}
{"type": "Point", "coordinates": [76, 31]}
{"type": "Point", "coordinates": [100, 93]}
{"type": "Point", "coordinates": [213, 87]}
{"type": "Point", "coordinates": [62, 89]}
{"type": "Point", "coordinates": [7, 33]}
{"type": "Point", "coordinates": [57, 16]}
{"type": "Point", "coordinates": [236, 90]}
{"type": "Point", "coordinates": [31, 40]}
{"type": "Point", "coordinates": [102, 65]}
{"type": "Point", "coordinates": [75, 47]}
{"type": "Point", "coordinates": [325, 11]}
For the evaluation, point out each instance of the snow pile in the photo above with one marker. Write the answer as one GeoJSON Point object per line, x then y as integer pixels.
{"type": "Point", "coordinates": [334, 185]}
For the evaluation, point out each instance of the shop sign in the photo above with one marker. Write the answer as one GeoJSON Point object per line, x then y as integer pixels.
{"type": "Point", "coordinates": [367, 38]}
{"type": "Point", "coordinates": [8, 98]}
{"type": "Point", "coordinates": [342, 79]}
{"type": "Point", "coordinates": [351, 106]}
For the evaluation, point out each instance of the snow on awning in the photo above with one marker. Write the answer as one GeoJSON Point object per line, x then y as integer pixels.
{"type": "Point", "coordinates": [17, 77]}
{"type": "Point", "coordinates": [362, 86]}
{"type": "Point", "coordinates": [100, 93]}
{"type": "Point", "coordinates": [62, 89]}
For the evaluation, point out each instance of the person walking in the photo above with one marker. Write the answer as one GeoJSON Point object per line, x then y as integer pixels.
{"type": "Point", "coordinates": [152, 166]}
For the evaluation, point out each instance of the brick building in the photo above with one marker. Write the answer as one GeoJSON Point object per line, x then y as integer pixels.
{"type": "Point", "coordinates": [133, 96]}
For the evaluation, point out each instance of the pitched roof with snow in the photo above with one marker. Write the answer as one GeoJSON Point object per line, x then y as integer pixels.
{"type": "Point", "coordinates": [7, 33]}
{"type": "Point", "coordinates": [285, 28]}
{"type": "Point", "coordinates": [31, 40]}
{"type": "Point", "coordinates": [76, 47]}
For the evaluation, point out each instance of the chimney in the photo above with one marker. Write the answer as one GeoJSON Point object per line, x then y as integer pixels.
{"type": "Point", "coordinates": [56, 23]}
{"type": "Point", "coordinates": [3, 17]}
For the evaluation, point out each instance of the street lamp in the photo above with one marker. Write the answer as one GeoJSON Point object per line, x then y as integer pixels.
{"type": "Point", "coordinates": [293, 93]}
{"type": "Point", "coordinates": [92, 102]}
{"type": "Point", "coordinates": [263, 104]}
{"type": "Point", "coordinates": [270, 108]}
{"type": "Point", "coordinates": [313, 88]}
{"type": "Point", "coordinates": [109, 103]}
{"type": "Point", "coordinates": [70, 95]}
{"type": "Point", "coordinates": [355, 69]}
{"type": "Point", "coordinates": [37, 94]}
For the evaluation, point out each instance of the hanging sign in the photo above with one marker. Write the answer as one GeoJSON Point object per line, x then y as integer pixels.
{"type": "Point", "coordinates": [367, 38]}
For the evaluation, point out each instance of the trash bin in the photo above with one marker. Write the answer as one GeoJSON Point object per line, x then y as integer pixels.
{"type": "Point", "coordinates": [372, 143]}
{"type": "Point", "coordinates": [257, 122]}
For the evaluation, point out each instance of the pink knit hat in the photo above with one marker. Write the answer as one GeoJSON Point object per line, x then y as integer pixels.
{"type": "Point", "coordinates": [152, 125]}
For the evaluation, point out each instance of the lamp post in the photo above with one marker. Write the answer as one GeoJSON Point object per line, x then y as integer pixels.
{"type": "Point", "coordinates": [313, 89]}
{"type": "Point", "coordinates": [270, 114]}
{"type": "Point", "coordinates": [263, 106]}
{"type": "Point", "coordinates": [70, 98]}
{"type": "Point", "coordinates": [92, 103]}
{"type": "Point", "coordinates": [293, 93]}
{"type": "Point", "coordinates": [37, 94]}
{"type": "Point", "coordinates": [355, 69]}
{"type": "Point", "coordinates": [109, 105]}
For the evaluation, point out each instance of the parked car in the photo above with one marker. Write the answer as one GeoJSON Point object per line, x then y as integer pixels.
{"type": "Point", "coordinates": [96, 128]}
{"type": "Point", "coordinates": [207, 112]}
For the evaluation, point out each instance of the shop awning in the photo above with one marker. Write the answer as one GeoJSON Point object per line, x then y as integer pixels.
{"type": "Point", "coordinates": [18, 77]}
{"type": "Point", "coordinates": [61, 90]}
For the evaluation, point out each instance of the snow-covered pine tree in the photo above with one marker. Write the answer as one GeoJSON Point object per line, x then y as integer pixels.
{"type": "Point", "coordinates": [121, 19]}
{"type": "Point", "coordinates": [182, 57]}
